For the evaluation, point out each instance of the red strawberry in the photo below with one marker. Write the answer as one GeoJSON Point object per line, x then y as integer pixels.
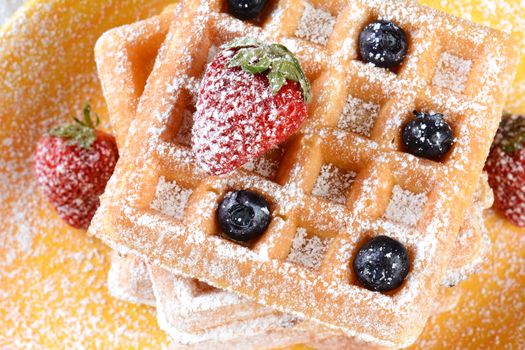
{"type": "Point", "coordinates": [253, 96]}
{"type": "Point", "coordinates": [506, 169]}
{"type": "Point", "coordinates": [73, 163]}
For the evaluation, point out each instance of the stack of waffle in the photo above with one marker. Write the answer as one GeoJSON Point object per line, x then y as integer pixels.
{"type": "Point", "coordinates": [342, 178]}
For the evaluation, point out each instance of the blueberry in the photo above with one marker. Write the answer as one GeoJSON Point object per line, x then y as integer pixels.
{"type": "Point", "coordinates": [243, 215]}
{"type": "Point", "coordinates": [246, 9]}
{"type": "Point", "coordinates": [381, 264]}
{"type": "Point", "coordinates": [383, 43]}
{"type": "Point", "coordinates": [428, 135]}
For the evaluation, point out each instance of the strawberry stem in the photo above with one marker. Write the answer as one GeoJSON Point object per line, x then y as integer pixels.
{"type": "Point", "coordinates": [80, 132]}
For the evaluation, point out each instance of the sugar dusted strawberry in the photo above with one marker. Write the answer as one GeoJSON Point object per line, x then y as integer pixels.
{"type": "Point", "coordinates": [506, 169]}
{"type": "Point", "coordinates": [73, 163]}
{"type": "Point", "coordinates": [253, 96]}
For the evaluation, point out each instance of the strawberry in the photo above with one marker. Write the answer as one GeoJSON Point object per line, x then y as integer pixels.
{"type": "Point", "coordinates": [253, 96]}
{"type": "Point", "coordinates": [73, 163]}
{"type": "Point", "coordinates": [506, 169]}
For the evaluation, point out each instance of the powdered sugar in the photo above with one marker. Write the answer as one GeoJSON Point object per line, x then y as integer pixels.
{"type": "Point", "coordinates": [267, 165]}
{"type": "Point", "coordinates": [262, 166]}
{"type": "Point", "coordinates": [171, 198]}
{"type": "Point", "coordinates": [452, 72]}
{"type": "Point", "coordinates": [20, 216]}
{"type": "Point", "coordinates": [84, 319]}
{"type": "Point", "coordinates": [405, 207]}
{"type": "Point", "coordinates": [128, 280]}
{"type": "Point", "coordinates": [308, 251]}
{"type": "Point", "coordinates": [193, 312]}
{"type": "Point", "coordinates": [316, 25]}
{"type": "Point", "coordinates": [358, 116]}
{"type": "Point", "coordinates": [212, 52]}
{"type": "Point", "coordinates": [183, 136]}
{"type": "Point", "coordinates": [333, 183]}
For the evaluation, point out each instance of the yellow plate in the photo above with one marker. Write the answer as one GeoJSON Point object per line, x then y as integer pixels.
{"type": "Point", "coordinates": [53, 279]}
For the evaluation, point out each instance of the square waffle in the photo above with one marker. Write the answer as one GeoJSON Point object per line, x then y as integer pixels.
{"type": "Point", "coordinates": [189, 300]}
{"type": "Point", "coordinates": [328, 292]}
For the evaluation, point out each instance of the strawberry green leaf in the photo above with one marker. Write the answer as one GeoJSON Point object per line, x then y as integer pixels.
{"type": "Point", "coordinates": [259, 66]}
{"type": "Point", "coordinates": [511, 133]}
{"type": "Point", "coordinates": [80, 133]}
{"type": "Point", "coordinates": [255, 57]}
{"type": "Point", "coordinates": [515, 144]}
{"type": "Point", "coordinates": [252, 61]}
{"type": "Point", "coordinates": [241, 57]}
{"type": "Point", "coordinates": [75, 134]}
{"type": "Point", "coordinates": [277, 81]}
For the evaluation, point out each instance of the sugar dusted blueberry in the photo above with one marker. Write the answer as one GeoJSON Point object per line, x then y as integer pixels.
{"type": "Point", "coordinates": [243, 215]}
{"type": "Point", "coordinates": [246, 9]}
{"type": "Point", "coordinates": [428, 135]}
{"type": "Point", "coordinates": [381, 264]}
{"type": "Point", "coordinates": [383, 43]}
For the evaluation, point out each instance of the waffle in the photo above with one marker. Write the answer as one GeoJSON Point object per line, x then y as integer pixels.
{"type": "Point", "coordinates": [140, 43]}
{"type": "Point", "coordinates": [205, 313]}
{"type": "Point", "coordinates": [205, 308]}
{"type": "Point", "coordinates": [327, 293]}
{"type": "Point", "coordinates": [128, 279]}
{"type": "Point", "coordinates": [179, 299]}
{"type": "Point", "coordinates": [473, 241]}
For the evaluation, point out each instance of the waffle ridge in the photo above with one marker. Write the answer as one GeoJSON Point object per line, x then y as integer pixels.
{"type": "Point", "coordinates": [329, 295]}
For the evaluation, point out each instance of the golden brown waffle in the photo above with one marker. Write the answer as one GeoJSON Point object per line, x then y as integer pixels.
{"type": "Point", "coordinates": [181, 302]}
{"type": "Point", "coordinates": [193, 312]}
{"type": "Point", "coordinates": [125, 64]}
{"type": "Point", "coordinates": [128, 279]}
{"type": "Point", "coordinates": [329, 294]}
{"type": "Point", "coordinates": [179, 297]}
